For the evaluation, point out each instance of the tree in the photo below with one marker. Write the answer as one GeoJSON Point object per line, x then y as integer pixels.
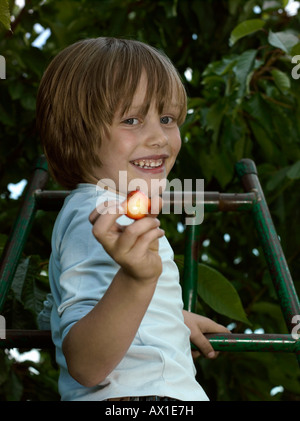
{"type": "Point", "coordinates": [235, 58]}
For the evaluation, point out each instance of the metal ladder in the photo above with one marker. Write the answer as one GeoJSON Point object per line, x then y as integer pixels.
{"type": "Point", "coordinates": [252, 200]}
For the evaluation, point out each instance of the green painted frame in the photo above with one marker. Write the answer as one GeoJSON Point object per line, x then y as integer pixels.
{"type": "Point", "coordinates": [252, 201]}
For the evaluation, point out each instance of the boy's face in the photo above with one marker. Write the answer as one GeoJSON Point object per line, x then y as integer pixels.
{"type": "Point", "coordinates": [144, 146]}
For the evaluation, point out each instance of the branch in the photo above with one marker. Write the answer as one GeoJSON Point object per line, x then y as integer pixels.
{"type": "Point", "coordinates": [18, 19]}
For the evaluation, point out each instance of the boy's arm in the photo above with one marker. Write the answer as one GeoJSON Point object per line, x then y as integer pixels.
{"type": "Point", "coordinates": [98, 342]}
{"type": "Point", "coordinates": [199, 325]}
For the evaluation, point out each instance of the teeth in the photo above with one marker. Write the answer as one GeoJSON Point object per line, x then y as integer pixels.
{"type": "Point", "coordinates": [148, 163]}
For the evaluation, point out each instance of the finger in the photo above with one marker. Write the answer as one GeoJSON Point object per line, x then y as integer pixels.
{"type": "Point", "coordinates": [204, 346]}
{"type": "Point", "coordinates": [195, 354]}
{"type": "Point", "coordinates": [149, 240]}
{"type": "Point", "coordinates": [93, 216]}
{"type": "Point", "coordinates": [132, 232]}
{"type": "Point", "coordinates": [102, 208]}
{"type": "Point", "coordinates": [108, 206]}
{"type": "Point", "coordinates": [106, 221]}
{"type": "Point", "coordinates": [220, 329]}
{"type": "Point", "coordinates": [207, 325]}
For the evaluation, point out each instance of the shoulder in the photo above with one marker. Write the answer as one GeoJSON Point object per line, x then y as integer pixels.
{"type": "Point", "coordinates": [72, 223]}
{"type": "Point", "coordinates": [73, 219]}
{"type": "Point", "coordinates": [78, 205]}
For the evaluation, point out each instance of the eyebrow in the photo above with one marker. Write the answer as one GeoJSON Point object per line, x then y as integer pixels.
{"type": "Point", "coordinates": [139, 107]}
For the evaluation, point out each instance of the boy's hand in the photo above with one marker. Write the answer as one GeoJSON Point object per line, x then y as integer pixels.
{"type": "Point", "coordinates": [134, 247]}
{"type": "Point", "coordinates": [199, 325]}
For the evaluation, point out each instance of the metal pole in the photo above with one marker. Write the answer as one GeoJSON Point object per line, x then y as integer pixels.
{"type": "Point", "coordinates": [14, 246]}
{"type": "Point", "coordinates": [269, 240]}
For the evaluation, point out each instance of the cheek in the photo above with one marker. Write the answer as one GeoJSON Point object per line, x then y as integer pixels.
{"type": "Point", "coordinates": [179, 144]}
{"type": "Point", "coordinates": [176, 146]}
{"type": "Point", "coordinates": [125, 146]}
{"type": "Point", "coordinates": [117, 153]}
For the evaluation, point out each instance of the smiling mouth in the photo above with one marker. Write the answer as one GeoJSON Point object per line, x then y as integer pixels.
{"type": "Point", "coordinates": [148, 164]}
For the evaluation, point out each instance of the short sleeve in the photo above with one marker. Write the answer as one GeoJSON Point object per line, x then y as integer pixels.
{"type": "Point", "coordinates": [84, 269]}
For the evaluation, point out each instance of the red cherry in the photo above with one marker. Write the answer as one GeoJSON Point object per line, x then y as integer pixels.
{"type": "Point", "coordinates": [137, 205]}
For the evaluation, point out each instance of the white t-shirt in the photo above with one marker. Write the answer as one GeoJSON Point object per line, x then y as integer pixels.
{"type": "Point", "coordinates": [159, 360]}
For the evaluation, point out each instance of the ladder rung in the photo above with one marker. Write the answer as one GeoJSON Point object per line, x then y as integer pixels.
{"type": "Point", "coordinates": [239, 342]}
{"type": "Point", "coordinates": [16, 338]}
{"type": "Point", "coordinates": [213, 201]}
{"type": "Point", "coordinates": [50, 199]}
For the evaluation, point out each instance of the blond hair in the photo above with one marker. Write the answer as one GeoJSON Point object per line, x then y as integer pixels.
{"type": "Point", "coordinates": [81, 91]}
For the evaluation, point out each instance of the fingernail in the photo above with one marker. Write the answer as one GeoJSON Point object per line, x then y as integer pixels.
{"type": "Point", "coordinates": [212, 354]}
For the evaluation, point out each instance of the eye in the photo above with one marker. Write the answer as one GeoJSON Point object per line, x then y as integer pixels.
{"type": "Point", "coordinates": [131, 121]}
{"type": "Point", "coordinates": [166, 120]}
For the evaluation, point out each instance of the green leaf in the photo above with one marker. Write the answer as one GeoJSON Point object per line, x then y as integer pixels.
{"type": "Point", "coordinates": [259, 110]}
{"type": "Point", "coordinates": [16, 90]}
{"type": "Point", "coordinates": [4, 368]}
{"type": "Point", "coordinates": [19, 278]}
{"type": "Point", "coordinates": [28, 103]}
{"type": "Point", "coordinates": [34, 291]}
{"type": "Point", "coordinates": [281, 79]}
{"type": "Point", "coordinates": [214, 117]}
{"type": "Point", "coordinates": [295, 51]}
{"type": "Point", "coordinates": [271, 311]}
{"type": "Point", "coordinates": [28, 285]}
{"type": "Point", "coordinates": [283, 40]}
{"type": "Point", "coordinates": [220, 294]}
{"type": "Point", "coordinates": [245, 28]}
{"type": "Point", "coordinates": [276, 180]}
{"type": "Point", "coordinates": [6, 118]}
{"type": "Point", "coordinates": [221, 67]}
{"type": "Point", "coordinates": [263, 140]}
{"type": "Point", "coordinates": [223, 168]}
{"type": "Point", "coordinates": [179, 260]}
{"type": "Point", "coordinates": [294, 171]}
{"type": "Point", "coordinates": [4, 14]}
{"type": "Point", "coordinates": [14, 388]}
{"type": "Point", "coordinates": [243, 67]}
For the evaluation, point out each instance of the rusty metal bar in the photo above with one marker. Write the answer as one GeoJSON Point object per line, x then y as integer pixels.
{"type": "Point", "coordinates": [50, 200]}
{"type": "Point", "coordinates": [213, 201]}
{"type": "Point", "coordinates": [190, 270]}
{"type": "Point", "coordinates": [273, 252]}
{"type": "Point", "coordinates": [271, 246]}
{"type": "Point", "coordinates": [13, 249]}
{"type": "Point", "coordinates": [221, 342]}
{"type": "Point", "coordinates": [27, 339]}
{"type": "Point", "coordinates": [239, 342]}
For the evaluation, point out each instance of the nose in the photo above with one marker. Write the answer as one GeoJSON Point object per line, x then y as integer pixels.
{"type": "Point", "coordinates": [156, 136]}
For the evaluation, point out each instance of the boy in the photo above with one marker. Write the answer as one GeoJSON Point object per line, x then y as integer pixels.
{"type": "Point", "coordinates": [107, 105]}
